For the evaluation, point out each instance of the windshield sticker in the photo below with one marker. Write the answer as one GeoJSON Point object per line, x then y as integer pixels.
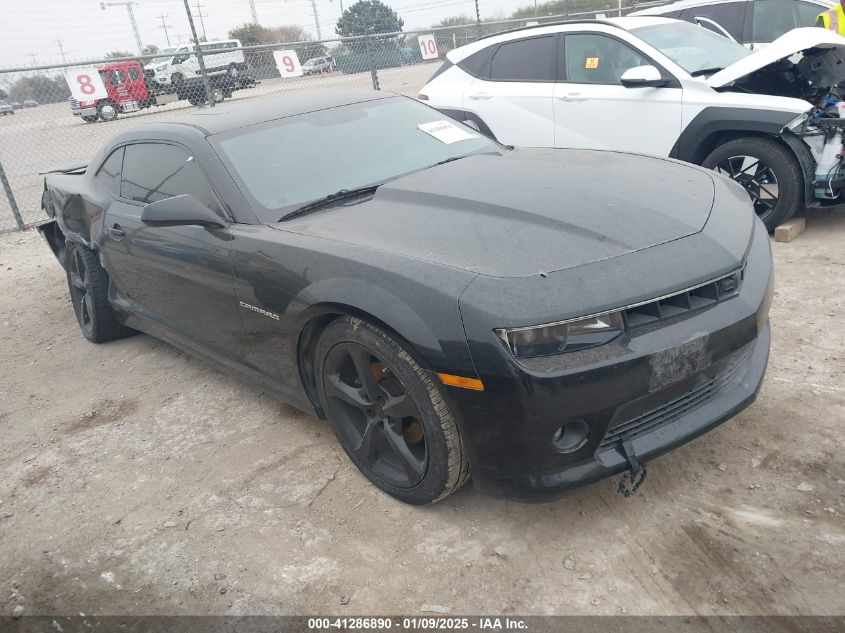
{"type": "Point", "coordinates": [592, 63]}
{"type": "Point", "coordinates": [446, 132]}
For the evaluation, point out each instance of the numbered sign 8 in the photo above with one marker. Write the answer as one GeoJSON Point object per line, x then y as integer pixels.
{"type": "Point", "coordinates": [428, 47]}
{"type": "Point", "coordinates": [85, 83]}
{"type": "Point", "coordinates": [288, 63]}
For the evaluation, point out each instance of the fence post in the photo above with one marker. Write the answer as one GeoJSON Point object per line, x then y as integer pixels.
{"type": "Point", "coordinates": [373, 71]}
{"type": "Point", "coordinates": [11, 197]}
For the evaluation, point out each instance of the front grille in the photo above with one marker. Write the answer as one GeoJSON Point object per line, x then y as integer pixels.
{"type": "Point", "coordinates": [680, 406]}
{"type": "Point", "coordinates": [74, 104]}
{"type": "Point", "coordinates": [148, 72]}
{"type": "Point", "coordinates": [685, 301]}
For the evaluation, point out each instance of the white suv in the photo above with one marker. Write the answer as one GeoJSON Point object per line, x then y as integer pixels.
{"type": "Point", "coordinates": [664, 87]}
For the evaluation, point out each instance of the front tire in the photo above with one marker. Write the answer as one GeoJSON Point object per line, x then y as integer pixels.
{"type": "Point", "coordinates": [388, 414]}
{"type": "Point", "coordinates": [107, 111]}
{"type": "Point", "coordinates": [233, 71]}
{"type": "Point", "coordinates": [89, 286]}
{"type": "Point", "coordinates": [767, 171]}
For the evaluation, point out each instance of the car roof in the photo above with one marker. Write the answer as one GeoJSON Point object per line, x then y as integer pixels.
{"type": "Point", "coordinates": [679, 5]}
{"type": "Point", "coordinates": [238, 114]}
{"type": "Point", "coordinates": [625, 23]}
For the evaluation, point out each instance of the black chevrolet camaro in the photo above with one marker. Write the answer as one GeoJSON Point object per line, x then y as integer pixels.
{"type": "Point", "coordinates": [538, 318]}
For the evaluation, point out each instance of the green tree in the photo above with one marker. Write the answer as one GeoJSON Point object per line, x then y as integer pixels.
{"type": "Point", "coordinates": [118, 54]}
{"type": "Point", "coordinates": [458, 20]}
{"type": "Point", "coordinates": [368, 17]}
{"type": "Point", "coordinates": [250, 34]}
{"type": "Point", "coordinates": [40, 88]}
{"type": "Point", "coordinates": [150, 49]}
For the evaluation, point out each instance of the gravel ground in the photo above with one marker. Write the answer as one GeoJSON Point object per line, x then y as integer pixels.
{"type": "Point", "coordinates": [135, 479]}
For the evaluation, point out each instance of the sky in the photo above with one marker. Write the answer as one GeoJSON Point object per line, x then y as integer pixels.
{"type": "Point", "coordinates": [47, 31]}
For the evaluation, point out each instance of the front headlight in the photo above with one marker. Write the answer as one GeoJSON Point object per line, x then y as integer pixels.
{"type": "Point", "coordinates": [565, 336]}
{"type": "Point", "coordinates": [161, 68]}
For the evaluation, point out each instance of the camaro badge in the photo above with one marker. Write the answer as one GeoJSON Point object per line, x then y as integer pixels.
{"type": "Point", "coordinates": [259, 310]}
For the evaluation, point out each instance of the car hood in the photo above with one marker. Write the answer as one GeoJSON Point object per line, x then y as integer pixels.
{"type": "Point", "coordinates": [525, 212]}
{"type": "Point", "coordinates": [823, 60]}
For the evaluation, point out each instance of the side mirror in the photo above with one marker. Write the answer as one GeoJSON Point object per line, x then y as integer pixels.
{"type": "Point", "coordinates": [643, 77]}
{"type": "Point", "coordinates": [184, 210]}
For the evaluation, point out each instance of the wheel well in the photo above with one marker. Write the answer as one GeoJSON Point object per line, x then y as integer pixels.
{"type": "Point", "coordinates": [719, 138]}
{"type": "Point", "coordinates": [310, 334]}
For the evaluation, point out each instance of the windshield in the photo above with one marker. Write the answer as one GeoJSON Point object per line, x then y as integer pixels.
{"type": "Point", "coordinates": [286, 163]}
{"type": "Point", "coordinates": [167, 54]}
{"type": "Point", "coordinates": [692, 47]}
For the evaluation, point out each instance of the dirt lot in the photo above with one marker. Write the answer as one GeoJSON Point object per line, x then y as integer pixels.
{"type": "Point", "coordinates": [133, 478]}
{"type": "Point", "coordinates": [40, 138]}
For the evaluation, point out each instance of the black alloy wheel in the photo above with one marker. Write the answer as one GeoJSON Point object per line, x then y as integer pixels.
{"type": "Point", "coordinates": [379, 420]}
{"type": "Point", "coordinates": [388, 414]}
{"type": "Point", "coordinates": [88, 283]}
{"type": "Point", "coordinates": [81, 292]}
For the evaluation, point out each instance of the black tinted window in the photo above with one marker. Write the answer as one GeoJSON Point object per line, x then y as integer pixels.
{"type": "Point", "coordinates": [524, 60]}
{"type": "Point", "coordinates": [475, 64]}
{"type": "Point", "coordinates": [116, 77]}
{"type": "Point", "coordinates": [134, 75]}
{"type": "Point", "coordinates": [108, 175]}
{"type": "Point", "coordinates": [155, 171]}
{"type": "Point", "coordinates": [729, 15]}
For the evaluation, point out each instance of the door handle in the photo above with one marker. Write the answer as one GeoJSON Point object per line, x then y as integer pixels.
{"type": "Point", "coordinates": [480, 95]}
{"type": "Point", "coordinates": [573, 96]}
{"type": "Point", "coordinates": [116, 232]}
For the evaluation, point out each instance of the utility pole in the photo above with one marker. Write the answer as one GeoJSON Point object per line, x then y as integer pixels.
{"type": "Point", "coordinates": [478, 17]}
{"type": "Point", "coordinates": [128, 4]}
{"type": "Point", "coordinates": [198, 51]}
{"type": "Point", "coordinates": [34, 61]}
{"type": "Point", "coordinates": [316, 19]}
{"type": "Point", "coordinates": [253, 11]}
{"type": "Point", "coordinates": [535, 7]}
{"type": "Point", "coordinates": [341, 7]}
{"type": "Point", "coordinates": [200, 15]}
{"type": "Point", "coordinates": [62, 51]}
{"type": "Point", "coordinates": [164, 25]}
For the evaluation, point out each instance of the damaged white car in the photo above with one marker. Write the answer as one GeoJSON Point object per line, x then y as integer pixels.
{"type": "Point", "coordinates": [768, 119]}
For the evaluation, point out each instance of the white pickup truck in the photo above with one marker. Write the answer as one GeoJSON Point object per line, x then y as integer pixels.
{"type": "Point", "coordinates": [178, 64]}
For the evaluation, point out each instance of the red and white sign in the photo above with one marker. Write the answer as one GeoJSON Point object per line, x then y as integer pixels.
{"type": "Point", "coordinates": [428, 47]}
{"type": "Point", "coordinates": [85, 83]}
{"type": "Point", "coordinates": [288, 63]}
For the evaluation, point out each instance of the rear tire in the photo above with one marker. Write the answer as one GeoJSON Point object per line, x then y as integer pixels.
{"type": "Point", "coordinates": [88, 284]}
{"type": "Point", "coordinates": [388, 414]}
{"type": "Point", "coordinates": [768, 172]}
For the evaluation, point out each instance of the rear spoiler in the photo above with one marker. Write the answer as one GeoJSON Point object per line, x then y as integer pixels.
{"type": "Point", "coordinates": [69, 168]}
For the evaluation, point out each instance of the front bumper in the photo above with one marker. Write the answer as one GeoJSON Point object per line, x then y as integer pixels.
{"type": "Point", "coordinates": [652, 390]}
{"type": "Point", "coordinates": [90, 111]}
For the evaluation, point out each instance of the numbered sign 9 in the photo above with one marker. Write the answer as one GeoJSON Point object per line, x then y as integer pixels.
{"type": "Point", "coordinates": [428, 47]}
{"type": "Point", "coordinates": [288, 63]}
{"type": "Point", "coordinates": [85, 83]}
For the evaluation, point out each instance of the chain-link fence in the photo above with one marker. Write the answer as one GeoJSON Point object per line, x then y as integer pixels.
{"type": "Point", "coordinates": [63, 113]}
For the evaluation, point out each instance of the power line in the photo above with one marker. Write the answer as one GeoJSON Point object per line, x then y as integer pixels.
{"type": "Point", "coordinates": [200, 15]}
{"type": "Point", "coordinates": [165, 26]}
{"type": "Point", "coordinates": [62, 51]}
{"type": "Point", "coordinates": [129, 9]}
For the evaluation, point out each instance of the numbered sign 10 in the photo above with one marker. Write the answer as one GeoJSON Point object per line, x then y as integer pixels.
{"type": "Point", "coordinates": [85, 83]}
{"type": "Point", "coordinates": [428, 47]}
{"type": "Point", "coordinates": [288, 63]}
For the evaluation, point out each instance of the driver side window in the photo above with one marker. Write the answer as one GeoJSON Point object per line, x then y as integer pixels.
{"type": "Point", "coordinates": [155, 171]}
{"type": "Point", "coordinates": [589, 58]}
